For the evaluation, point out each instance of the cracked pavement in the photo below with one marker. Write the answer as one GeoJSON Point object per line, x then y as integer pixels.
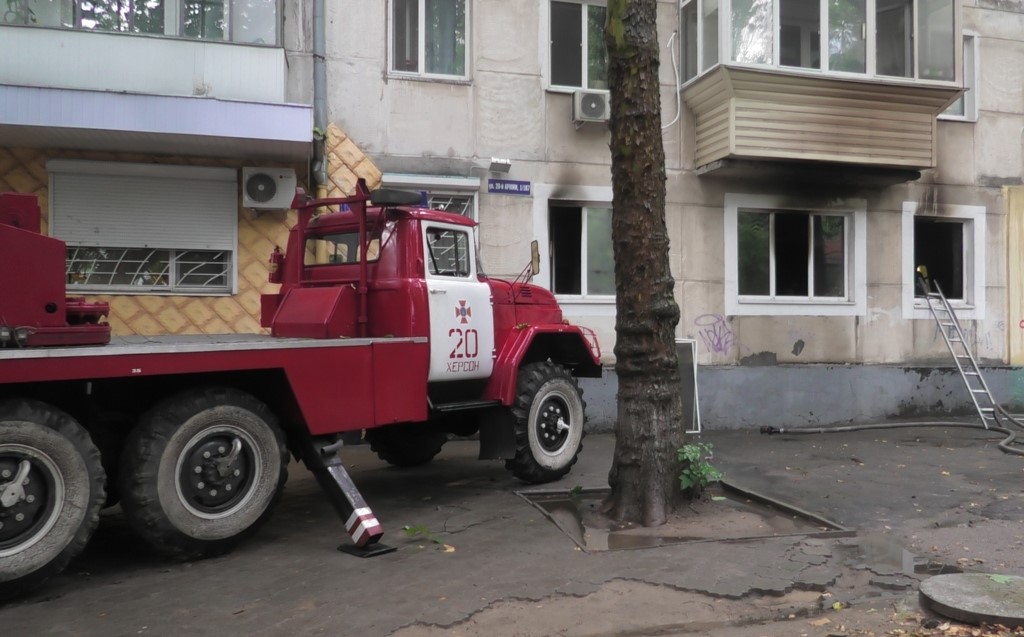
{"type": "Point", "coordinates": [920, 500]}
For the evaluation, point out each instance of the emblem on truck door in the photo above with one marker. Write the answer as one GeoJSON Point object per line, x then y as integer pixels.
{"type": "Point", "coordinates": [463, 312]}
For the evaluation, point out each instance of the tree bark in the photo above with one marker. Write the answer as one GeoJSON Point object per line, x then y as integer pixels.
{"type": "Point", "coordinates": [645, 473]}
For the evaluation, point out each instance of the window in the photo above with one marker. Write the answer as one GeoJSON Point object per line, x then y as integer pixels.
{"type": "Point", "coordinates": [151, 269]}
{"type": "Point", "coordinates": [950, 241]}
{"type": "Point", "coordinates": [580, 238]}
{"type": "Point", "coordinates": [248, 21]}
{"type": "Point", "coordinates": [448, 252]}
{"type": "Point", "coordinates": [579, 57]}
{"type": "Point", "coordinates": [340, 248]}
{"type": "Point", "coordinates": [965, 108]}
{"type": "Point", "coordinates": [440, 192]}
{"type": "Point", "coordinates": [464, 205]}
{"type": "Point", "coordinates": [145, 228]}
{"type": "Point", "coordinates": [792, 254]}
{"type": "Point", "coordinates": [906, 38]}
{"type": "Point", "coordinates": [429, 37]}
{"type": "Point", "coordinates": [786, 259]}
{"type": "Point", "coordinates": [799, 34]}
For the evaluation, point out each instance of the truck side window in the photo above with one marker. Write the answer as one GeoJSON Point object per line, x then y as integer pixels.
{"type": "Point", "coordinates": [339, 249]}
{"type": "Point", "coordinates": [448, 252]}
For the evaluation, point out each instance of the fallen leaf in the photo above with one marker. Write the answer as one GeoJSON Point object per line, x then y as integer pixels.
{"type": "Point", "coordinates": [448, 548]}
{"type": "Point", "coordinates": [820, 622]}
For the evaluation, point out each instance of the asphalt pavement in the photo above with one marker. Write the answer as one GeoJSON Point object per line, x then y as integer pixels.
{"type": "Point", "coordinates": [475, 557]}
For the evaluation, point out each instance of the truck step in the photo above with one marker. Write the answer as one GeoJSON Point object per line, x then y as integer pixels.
{"type": "Point", "coordinates": [466, 405]}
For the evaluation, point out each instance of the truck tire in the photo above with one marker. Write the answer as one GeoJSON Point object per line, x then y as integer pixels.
{"type": "Point", "coordinates": [549, 416]}
{"type": "Point", "coordinates": [202, 472]}
{"type": "Point", "coordinates": [49, 520]}
{"type": "Point", "coordinates": [406, 445]}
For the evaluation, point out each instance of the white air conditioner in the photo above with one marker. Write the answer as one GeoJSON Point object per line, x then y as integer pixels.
{"type": "Point", "coordinates": [268, 188]}
{"type": "Point", "coordinates": [590, 106]}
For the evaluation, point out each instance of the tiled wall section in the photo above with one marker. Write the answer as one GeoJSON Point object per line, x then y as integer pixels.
{"type": "Point", "coordinates": [24, 170]}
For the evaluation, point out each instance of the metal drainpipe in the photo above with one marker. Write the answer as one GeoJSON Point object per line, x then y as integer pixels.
{"type": "Point", "coordinates": [319, 98]}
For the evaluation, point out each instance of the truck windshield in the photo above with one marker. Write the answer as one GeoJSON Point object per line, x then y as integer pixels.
{"type": "Point", "coordinates": [339, 248]}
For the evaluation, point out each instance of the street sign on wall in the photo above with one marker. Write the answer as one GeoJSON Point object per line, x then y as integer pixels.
{"type": "Point", "coordinates": [508, 187]}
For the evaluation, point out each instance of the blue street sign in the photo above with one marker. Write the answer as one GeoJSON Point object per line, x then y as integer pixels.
{"type": "Point", "coordinates": [508, 187]}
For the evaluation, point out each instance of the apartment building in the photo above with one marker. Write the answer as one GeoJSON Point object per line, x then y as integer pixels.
{"type": "Point", "coordinates": [817, 151]}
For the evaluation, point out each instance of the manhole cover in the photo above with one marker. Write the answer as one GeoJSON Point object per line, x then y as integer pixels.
{"type": "Point", "coordinates": [976, 598]}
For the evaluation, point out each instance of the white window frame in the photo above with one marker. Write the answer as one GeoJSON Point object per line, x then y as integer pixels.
{"type": "Point", "coordinates": [174, 23]}
{"type": "Point", "coordinates": [545, 31]}
{"type": "Point", "coordinates": [725, 43]}
{"type": "Point", "coordinates": [971, 72]}
{"type": "Point", "coordinates": [420, 73]}
{"type": "Point", "coordinates": [438, 185]}
{"type": "Point", "coordinates": [972, 306]}
{"type": "Point", "coordinates": [154, 172]}
{"type": "Point", "coordinates": [855, 303]}
{"type": "Point", "coordinates": [544, 195]}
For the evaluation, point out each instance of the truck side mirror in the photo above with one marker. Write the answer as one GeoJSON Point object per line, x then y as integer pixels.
{"type": "Point", "coordinates": [535, 257]}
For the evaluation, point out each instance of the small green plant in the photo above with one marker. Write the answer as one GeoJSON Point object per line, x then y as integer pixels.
{"type": "Point", "coordinates": [576, 492]}
{"type": "Point", "coordinates": [420, 529]}
{"type": "Point", "coordinates": [698, 472]}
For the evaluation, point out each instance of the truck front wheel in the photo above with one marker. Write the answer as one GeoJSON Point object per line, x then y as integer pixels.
{"type": "Point", "coordinates": [549, 416]}
{"type": "Point", "coordinates": [51, 492]}
{"type": "Point", "coordinates": [202, 472]}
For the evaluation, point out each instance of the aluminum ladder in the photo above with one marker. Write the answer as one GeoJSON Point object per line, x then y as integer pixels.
{"type": "Point", "coordinates": [953, 335]}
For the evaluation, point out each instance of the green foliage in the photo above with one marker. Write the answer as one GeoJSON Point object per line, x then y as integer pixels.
{"type": "Point", "coordinates": [420, 529]}
{"type": "Point", "coordinates": [698, 472]}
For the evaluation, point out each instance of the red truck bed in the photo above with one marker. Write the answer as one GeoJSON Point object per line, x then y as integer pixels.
{"type": "Point", "coordinates": [331, 379]}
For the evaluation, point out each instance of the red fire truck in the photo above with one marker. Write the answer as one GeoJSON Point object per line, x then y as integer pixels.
{"type": "Point", "coordinates": [383, 324]}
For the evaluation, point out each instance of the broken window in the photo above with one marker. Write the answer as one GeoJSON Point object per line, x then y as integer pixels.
{"type": "Point", "coordinates": [939, 246]}
{"type": "Point", "coordinates": [792, 254]}
{"type": "Point", "coordinates": [581, 250]}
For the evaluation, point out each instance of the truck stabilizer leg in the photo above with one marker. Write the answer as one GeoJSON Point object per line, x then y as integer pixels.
{"type": "Point", "coordinates": [360, 522]}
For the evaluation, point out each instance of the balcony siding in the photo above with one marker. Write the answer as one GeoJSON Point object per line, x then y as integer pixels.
{"type": "Point", "coordinates": [756, 114]}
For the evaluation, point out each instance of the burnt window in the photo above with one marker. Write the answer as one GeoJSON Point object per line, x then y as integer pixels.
{"type": "Point", "coordinates": [939, 246]}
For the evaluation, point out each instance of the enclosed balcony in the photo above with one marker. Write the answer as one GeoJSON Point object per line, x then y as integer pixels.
{"type": "Point", "coordinates": [840, 81]}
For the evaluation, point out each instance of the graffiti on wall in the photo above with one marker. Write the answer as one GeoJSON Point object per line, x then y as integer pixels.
{"type": "Point", "coordinates": [715, 332]}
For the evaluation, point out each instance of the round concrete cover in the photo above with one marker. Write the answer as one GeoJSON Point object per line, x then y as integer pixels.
{"type": "Point", "coordinates": [976, 598]}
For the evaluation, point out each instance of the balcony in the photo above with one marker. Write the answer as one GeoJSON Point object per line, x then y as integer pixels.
{"type": "Point", "coordinates": [764, 93]}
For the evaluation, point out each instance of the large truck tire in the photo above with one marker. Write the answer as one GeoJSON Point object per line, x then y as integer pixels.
{"type": "Point", "coordinates": [202, 472]}
{"type": "Point", "coordinates": [48, 518]}
{"type": "Point", "coordinates": [406, 445]}
{"type": "Point", "coordinates": [549, 417]}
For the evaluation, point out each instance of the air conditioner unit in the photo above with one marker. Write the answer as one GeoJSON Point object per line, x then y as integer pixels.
{"type": "Point", "coordinates": [268, 188]}
{"type": "Point", "coordinates": [590, 106]}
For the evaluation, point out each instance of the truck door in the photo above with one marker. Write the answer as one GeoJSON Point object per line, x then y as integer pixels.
{"type": "Point", "coordinates": [461, 317]}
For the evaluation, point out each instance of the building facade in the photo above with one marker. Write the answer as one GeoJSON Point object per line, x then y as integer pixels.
{"type": "Point", "coordinates": [817, 152]}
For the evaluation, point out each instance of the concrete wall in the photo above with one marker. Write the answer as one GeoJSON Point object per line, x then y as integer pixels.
{"type": "Point", "coordinates": [795, 396]}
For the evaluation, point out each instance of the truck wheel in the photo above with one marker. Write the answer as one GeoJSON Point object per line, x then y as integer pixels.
{"type": "Point", "coordinates": [51, 492]}
{"type": "Point", "coordinates": [406, 445]}
{"type": "Point", "coordinates": [549, 416]}
{"type": "Point", "coordinates": [202, 472]}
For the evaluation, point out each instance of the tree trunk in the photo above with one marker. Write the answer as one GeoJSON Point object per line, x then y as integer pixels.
{"type": "Point", "coordinates": [645, 473]}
